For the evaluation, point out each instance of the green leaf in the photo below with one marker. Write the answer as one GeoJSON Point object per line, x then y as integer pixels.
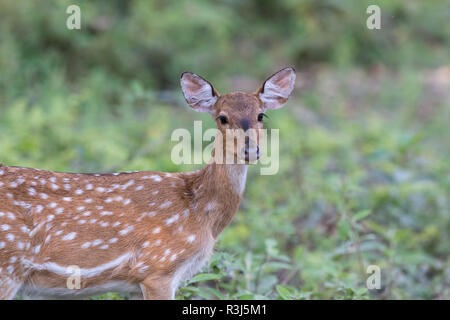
{"type": "Point", "coordinates": [284, 292]}
{"type": "Point", "coordinates": [247, 296]}
{"type": "Point", "coordinates": [216, 293]}
{"type": "Point", "coordinates": [279, 265]}
{"type": "Point", "coordinates": [343, 229]}
{"type": "Point", "coordinates": [205, 277]}
{"type": "Point", "coordinates": [361, 291]}
{"type": "Point", "coordinates": [361, 215]}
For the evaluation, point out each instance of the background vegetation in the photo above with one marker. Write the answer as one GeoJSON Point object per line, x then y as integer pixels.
{"type": "Point", "coordinates": [364, 171]}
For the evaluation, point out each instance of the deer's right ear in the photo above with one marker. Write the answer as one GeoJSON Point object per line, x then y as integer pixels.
{"type": "Point", "coordinates": [198, 92]}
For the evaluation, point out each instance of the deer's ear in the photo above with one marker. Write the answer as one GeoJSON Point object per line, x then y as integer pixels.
{"type": "Point", "coordinates": [198, 92]}
{"type": "Point", "coordinates": [276, 90]}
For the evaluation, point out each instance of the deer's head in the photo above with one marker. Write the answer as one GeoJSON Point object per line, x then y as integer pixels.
{"type": "Point", "coordinates": [239, 111]}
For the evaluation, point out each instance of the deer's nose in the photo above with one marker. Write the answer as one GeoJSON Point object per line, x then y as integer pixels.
{"type": "Point", "coordinates": [245, 124]}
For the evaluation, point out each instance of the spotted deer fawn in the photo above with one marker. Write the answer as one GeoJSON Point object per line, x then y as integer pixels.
{"type": "Point", "coordinates": [128, 231]}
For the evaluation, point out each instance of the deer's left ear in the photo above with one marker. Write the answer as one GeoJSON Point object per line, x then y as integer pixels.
{"type": "Point", "coordinates": [276, 90]}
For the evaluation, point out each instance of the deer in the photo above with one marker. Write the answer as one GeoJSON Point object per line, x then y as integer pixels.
{"type": "Point", "coordinates": [139, 232]}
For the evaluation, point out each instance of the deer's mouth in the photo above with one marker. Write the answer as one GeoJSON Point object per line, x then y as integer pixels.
{"type": "Point", "coordinates": [251, 154]}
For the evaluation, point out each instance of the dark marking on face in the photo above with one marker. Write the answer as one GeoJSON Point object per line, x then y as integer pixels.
{"type": "Point", "coordinates": [245, 124]}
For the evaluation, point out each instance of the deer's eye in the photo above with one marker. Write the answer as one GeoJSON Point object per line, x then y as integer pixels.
{"type": "Point", "coordinates": [222, 119]}
{"type": "Point", "coordinates": [261, 116]}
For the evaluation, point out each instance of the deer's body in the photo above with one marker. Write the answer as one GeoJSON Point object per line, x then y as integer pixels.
{"type": "Point", "coordinates": [114, 227]}
{"type": "Point", "coordinates": [135, 231]}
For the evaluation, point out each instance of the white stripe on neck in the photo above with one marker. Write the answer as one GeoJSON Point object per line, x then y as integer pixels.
{"type": "Point", "coordinates": [238, 176]}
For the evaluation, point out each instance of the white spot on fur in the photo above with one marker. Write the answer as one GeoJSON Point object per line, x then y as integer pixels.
{"type": "Point", "coordinates": [96, 242]}
{"type": "Point", "coordinates": [126, 230]}
{"type": "Point", "coordinates": [128, 184]}
{"type": "Point", "coordinates": [156, 178]}
{"type": "Point", "coordinates": [86, 245]}
{"type": "Point", "coordinates": [69, 236]}
{"type": "Point", "coordinates": [37, 249]}
{"type": "Point", "coordinates": [156, 230]}
{"type": "Point", "coordinates": [210, 206]}
{"type": "Point", "coordinates": [165, 204]}
{"type": "Point", "coordinates": [172, 219]}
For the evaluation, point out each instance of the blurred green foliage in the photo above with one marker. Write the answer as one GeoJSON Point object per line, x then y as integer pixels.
{"type": "Point", "coordinates": [364, 171]}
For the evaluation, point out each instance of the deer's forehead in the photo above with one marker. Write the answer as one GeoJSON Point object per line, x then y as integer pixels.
{"type": "Point", "coordinates": [239, 103]}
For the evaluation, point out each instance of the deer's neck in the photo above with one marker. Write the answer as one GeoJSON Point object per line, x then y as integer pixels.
{"type": "Point", "coordinates": [219, 191]}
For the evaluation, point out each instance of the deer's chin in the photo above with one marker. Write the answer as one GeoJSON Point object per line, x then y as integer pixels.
{"type": "Point", "coordinates": [248, 158]}
{"type": "Point", "coordinates": [249, 161]}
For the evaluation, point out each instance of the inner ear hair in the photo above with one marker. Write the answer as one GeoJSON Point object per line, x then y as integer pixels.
{"type": "Point", "coordinates": [198, 92]}
{"type": "Point", "coordinates": [277, 88]}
